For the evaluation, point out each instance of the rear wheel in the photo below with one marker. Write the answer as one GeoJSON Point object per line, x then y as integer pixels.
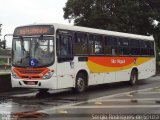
{"type": "Point", "coordinates": [81, 83]}
{"type": "Point", "coordinates": [133, 77]}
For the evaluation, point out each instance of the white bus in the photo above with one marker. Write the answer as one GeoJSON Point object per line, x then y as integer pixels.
{"type": "Point", "coordinates": [56, 56]}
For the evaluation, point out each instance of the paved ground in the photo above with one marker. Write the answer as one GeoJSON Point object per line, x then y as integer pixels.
{"type": "Point", "coordinates": [140, 104]}
{"type": "Point", "coordinates": [116, 101]}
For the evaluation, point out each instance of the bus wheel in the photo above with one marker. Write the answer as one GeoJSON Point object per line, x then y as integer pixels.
{"type": "Point", "coordinates": [133, 77]}
{"type": "Point", "coordinates": [81, 81]}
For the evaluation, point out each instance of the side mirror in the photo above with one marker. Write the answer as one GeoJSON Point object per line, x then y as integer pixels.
{"type": "Point", "coordinates": [3, 44]}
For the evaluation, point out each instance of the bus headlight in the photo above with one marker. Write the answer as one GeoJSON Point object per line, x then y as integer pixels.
{"type": "Point", "coordinates": [48, 75]}
{"type": "Point", "coordinates": [14, 75]}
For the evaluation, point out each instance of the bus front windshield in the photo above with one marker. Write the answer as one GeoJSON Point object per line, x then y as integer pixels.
{"type": "Point", "coordinates": [33, 51]}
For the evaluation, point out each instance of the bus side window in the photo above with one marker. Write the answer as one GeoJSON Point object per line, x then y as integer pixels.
{"type": "Point", "coordinates": [64, 48]}
{"type": "Point", "coordinates": [96, 44]}
{"type": "Point", "coordinates": [123, 46]}
{"type": "Point", "coordinates": [91, 44]}
{"type": "Point", "coordinates": [144, 47]}
{"type": "Point", "coordinates": [113, 43]}
{"type": "Point", "coordinates": [80, 41]}
{"type": "Point", "coordinates": [119, 46]}
{"type": "Point", "coordinates": [107, 47]}
{"type": "Point", "coordinates": [134, 47]}
{"type": "Point", "coordinates": [99, 45]}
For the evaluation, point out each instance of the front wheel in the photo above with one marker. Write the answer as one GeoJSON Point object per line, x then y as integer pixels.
{"type": "Point", "coordinates": [81, 83]}
{"type": "Point", "coordinates": [133, 77]}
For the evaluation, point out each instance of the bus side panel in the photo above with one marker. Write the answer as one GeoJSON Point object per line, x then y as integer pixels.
{"type": "Point", "coordinates": [65, 74]}
{"type": "Point", "coordinates": [99, 77]}
{"type": "Point", "coordinates": [81, 65]}
{"type": "Point", "coordinates": [123, 75]}
{"type": "Point", "coordinates": [109, 77]}
{"type": "Point", "coordinates": [147, 69]}
{"type": "Point", "coordinates": [116, 69]}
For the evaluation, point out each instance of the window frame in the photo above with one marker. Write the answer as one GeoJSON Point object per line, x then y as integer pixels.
{"type": "Point", "coordinates": [113, 45]}
{"type": "Point", "coordinates": [74, 43]}
{"type": "Point", "coordinates": [59, 34]}
{"type": "Point", "coordinates": [96, 36]}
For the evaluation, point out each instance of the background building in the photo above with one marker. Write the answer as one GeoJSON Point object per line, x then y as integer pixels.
{"type": "Point", "coordinates": [5, 53]}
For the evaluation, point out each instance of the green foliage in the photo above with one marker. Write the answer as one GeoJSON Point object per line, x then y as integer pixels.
{"type": "Point", "coordinates": [3, 61]}
{"type": "Point", "coordinates": [130, 16]}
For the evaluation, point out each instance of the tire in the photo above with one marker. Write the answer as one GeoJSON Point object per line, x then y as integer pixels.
{"type": "Point", "coordinates": [81, 83]}
{"type": "Point", "coordinates": [133, 77]}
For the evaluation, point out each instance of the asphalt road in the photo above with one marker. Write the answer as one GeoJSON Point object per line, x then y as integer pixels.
{"type": "Point", "coordinates": [117, 101]}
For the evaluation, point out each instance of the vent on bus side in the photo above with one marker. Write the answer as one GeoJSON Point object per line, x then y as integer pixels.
{"type": "Point", "coordinates": [83, 59]}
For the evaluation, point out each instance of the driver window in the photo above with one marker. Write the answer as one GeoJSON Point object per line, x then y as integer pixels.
{"type": "Point", "coordinates": [18, 51]}
{"type": "Point", "coordinates": [65, 46]}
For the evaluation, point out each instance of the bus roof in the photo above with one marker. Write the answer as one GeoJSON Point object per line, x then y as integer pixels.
{"type": "Point", "coordinates": [97, 31]}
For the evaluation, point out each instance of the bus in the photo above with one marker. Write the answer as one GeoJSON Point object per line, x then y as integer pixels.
{"type": "Point", "coordinates": [57, 56]}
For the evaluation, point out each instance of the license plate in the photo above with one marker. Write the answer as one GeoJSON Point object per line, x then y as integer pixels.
{"type": "Point", "coordinates": [31, 83]}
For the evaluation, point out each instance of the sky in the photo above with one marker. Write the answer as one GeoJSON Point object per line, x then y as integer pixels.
{"type": "Point", "coordinates": [15, 13]}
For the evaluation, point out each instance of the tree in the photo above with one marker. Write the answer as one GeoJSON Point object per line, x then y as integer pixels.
{"type": "Point", "coordinates": [131, 16]}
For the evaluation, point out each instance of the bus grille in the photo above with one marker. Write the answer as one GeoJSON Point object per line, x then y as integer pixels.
{"type": "Point", "coordinates": [30, 73]}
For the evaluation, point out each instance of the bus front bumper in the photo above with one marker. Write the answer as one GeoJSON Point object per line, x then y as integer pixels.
{"type": "Point", "coordinates": [47, 83]}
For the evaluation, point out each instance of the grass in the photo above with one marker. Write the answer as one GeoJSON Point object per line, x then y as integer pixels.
{"type": "Point", "coordinates": [3, 63]}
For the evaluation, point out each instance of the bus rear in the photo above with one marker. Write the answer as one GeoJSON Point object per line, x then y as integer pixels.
{"type": "Point", "coordinates": [33, 57]}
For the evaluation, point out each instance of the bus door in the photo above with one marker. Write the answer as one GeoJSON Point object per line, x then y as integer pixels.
{"type": "Point", "coordinates": [65, 63]}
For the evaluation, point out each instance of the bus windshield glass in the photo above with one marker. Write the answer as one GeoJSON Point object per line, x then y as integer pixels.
{"type": "Point", "coordinates": [33, 51]}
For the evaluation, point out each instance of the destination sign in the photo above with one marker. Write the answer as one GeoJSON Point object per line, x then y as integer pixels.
{"type": "Point", "coordinates": [34, 30]}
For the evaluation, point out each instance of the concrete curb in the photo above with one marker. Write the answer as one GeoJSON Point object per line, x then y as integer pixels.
{"type": "Point", "coordinates": [5, 83]}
